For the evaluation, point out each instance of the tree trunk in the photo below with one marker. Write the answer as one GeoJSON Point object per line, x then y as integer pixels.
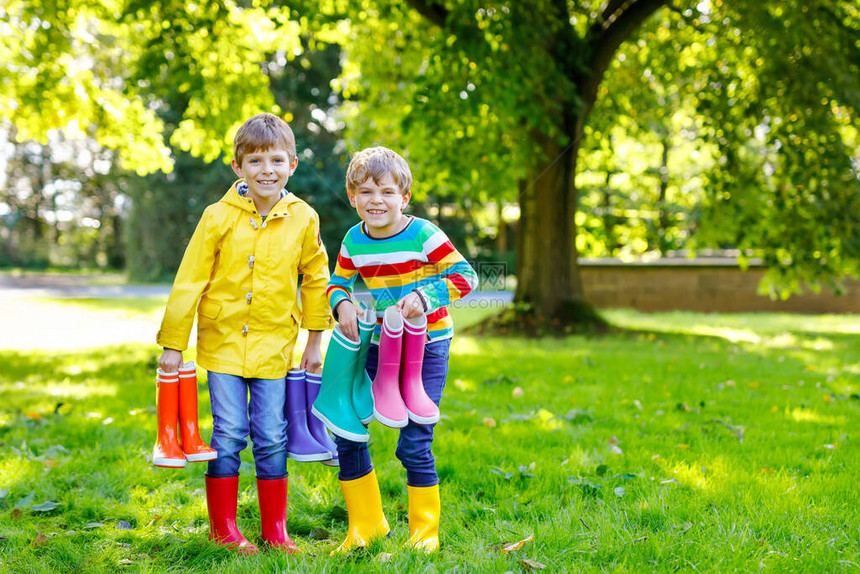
{"type": "Point", "coordinates": [548, 280]}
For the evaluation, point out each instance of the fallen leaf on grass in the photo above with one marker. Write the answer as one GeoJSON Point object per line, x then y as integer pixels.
{"type": "Point", "coordinates": [683, 407]}
{"type": "Point", "coordinates": [517, 392]}
{"type": "Point", "coordinates": [530, 564]}
{"type": "Point", "coordinates": [489, 421]}
{"type": "Point", "coordinates": [511, 546]}
{"type": "Point", "coordinates": [319, 534]}
{"type": "Point", "coordinates": [45, 506]}
{"type": "Point", "coordinates": [125, 562]}
{"type": "Point", "coordinates": [39, 540]}
{"type": "Point", "coordinates": [16, 513]}
{"type": "Point", "coordinates": [26, 501]}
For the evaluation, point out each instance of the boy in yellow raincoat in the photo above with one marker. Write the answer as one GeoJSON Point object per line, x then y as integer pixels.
{"type": "Point", "coordinates": [240, 275]}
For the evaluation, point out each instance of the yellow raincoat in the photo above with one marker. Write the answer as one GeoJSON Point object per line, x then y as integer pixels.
{"type": "Point", "coordinates": [241, 276]}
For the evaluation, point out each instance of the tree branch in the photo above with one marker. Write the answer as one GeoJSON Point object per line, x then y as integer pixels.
{"type": "Point", "coordinates": [620, 19]}
{"type": "Point", "coordinates": [431, 10]}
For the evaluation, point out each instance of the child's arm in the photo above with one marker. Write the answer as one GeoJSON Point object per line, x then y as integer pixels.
{"type": "Point", "coordinates": [455, 278]}
{"type": "Point", "coordinates": [312, 357]}
{"type": "Point", "coordinates": [191, 279]}
{"type": "Point", "coordinates": [313, 265]}
{"type": "Point", "coordinates": [339, 293]}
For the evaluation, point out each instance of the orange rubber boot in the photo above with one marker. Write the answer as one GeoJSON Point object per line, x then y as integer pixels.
{"type": "Point", "coordinates": [167, 453]}
{"type": "Point", "coordinates": [192, 445]}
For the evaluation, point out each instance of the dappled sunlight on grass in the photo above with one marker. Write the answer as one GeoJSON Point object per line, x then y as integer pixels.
{"type": "Point", "coordinates": [789, 340]}
{"type": "Point", "coordinates": [768, 330]}
{"type": "Point", "coordinates": [62, 389]}
{"type": "Point", "coordinates": [14, 470]}
{"type": "Point", "coordinates": [467, 345]}
{"type": "Point", "coordinates": [806, 415]}
{"type": "Point", "coordinates": [731, 335]}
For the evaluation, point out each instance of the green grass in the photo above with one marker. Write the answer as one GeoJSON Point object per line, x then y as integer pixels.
{"type": "Point", "coordinates": [130, 307]}
{"type": "Point", "coordinates": [693, 442]}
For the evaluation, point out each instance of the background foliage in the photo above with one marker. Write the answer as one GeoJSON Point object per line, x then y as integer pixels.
{"type": "Point", "coordinates": [716, 125]}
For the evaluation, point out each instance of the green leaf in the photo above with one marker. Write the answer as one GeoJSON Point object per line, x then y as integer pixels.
{"type": "Point", "coordinates": [26, 501]}
{"type": "Point", "coordinates": [45, 506]}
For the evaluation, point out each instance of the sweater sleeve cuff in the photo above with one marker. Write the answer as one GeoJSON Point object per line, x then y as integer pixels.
{"type": "Point", "coordinates": [424, 301]}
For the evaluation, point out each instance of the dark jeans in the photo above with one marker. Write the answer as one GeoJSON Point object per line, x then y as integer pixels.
{"type": "Point", "coordinates": [413, 446]}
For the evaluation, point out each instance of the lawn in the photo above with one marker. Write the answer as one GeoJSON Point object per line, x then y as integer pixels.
{"type": "Point", "coordinates": [687, 442]}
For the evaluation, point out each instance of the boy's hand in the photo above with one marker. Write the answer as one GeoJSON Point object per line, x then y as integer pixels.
{"type": "Point", "coordinates": [411, 306]}
{"type": "Point", "coordinates": [170, 361]}
{"type": "Point", "coordinates": [312, 358]}
{"type": "Point", "coordinates": [347, 319]}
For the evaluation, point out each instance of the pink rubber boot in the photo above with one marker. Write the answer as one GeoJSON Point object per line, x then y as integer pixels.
{"type": "Point", "coordinates": [421, 408]}
{"type": "Point", "coordinates": [388, 406]}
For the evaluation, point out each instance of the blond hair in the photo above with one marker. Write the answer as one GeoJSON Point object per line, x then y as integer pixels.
{"type": "Point", "coordinates": [262, 132]}
{"type": "Point", "coordinates": [376, 163]}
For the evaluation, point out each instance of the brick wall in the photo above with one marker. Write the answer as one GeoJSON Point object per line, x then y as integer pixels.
{"type": "Point", "coordinates": [700, 285]}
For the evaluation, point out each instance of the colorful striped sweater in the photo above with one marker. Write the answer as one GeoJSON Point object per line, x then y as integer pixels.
{"type": "Point", "coordinates": [419, 258]}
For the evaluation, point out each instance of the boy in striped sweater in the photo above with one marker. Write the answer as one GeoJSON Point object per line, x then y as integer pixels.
{"type": "Point", "coordinates": [409, 263]}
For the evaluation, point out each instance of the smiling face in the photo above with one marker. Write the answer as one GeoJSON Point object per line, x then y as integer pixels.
{"type": "Point", "coordinates": [380, 205]}
{"type": "Point", "coordinates": [266, 172]}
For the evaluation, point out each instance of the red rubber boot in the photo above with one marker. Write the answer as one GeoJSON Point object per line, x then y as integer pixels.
{"type": "Point", "coordinates": [272, 496]}
{"type": "Point", "coordinates": [221, 495]}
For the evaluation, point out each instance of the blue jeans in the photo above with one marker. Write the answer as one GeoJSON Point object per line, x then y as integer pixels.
{"type": "Point", "coordinates": [235, 418]}
{"type": "Point", "coordinates": [413, 445]}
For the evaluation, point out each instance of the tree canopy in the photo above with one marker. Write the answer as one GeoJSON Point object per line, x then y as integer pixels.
{"type": "Point", "coordinates": [746, 111]}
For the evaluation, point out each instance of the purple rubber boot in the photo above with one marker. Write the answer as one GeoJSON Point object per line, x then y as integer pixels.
{"type": "Point", "coordinates": [316, 426]}
{"type": "Point", "coordinates": [301, 445]}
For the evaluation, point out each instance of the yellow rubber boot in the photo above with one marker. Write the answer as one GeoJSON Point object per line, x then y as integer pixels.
{"type": "Point", "coordinates": [424, 511]}
{"type": "Point", "coordinates": [364, 505]}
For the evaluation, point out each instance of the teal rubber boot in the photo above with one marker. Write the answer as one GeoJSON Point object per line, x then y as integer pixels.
{"type": "Point", "coordinates": [362, 397]}
{"type": "Point", "coordinates": [333, 406]}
